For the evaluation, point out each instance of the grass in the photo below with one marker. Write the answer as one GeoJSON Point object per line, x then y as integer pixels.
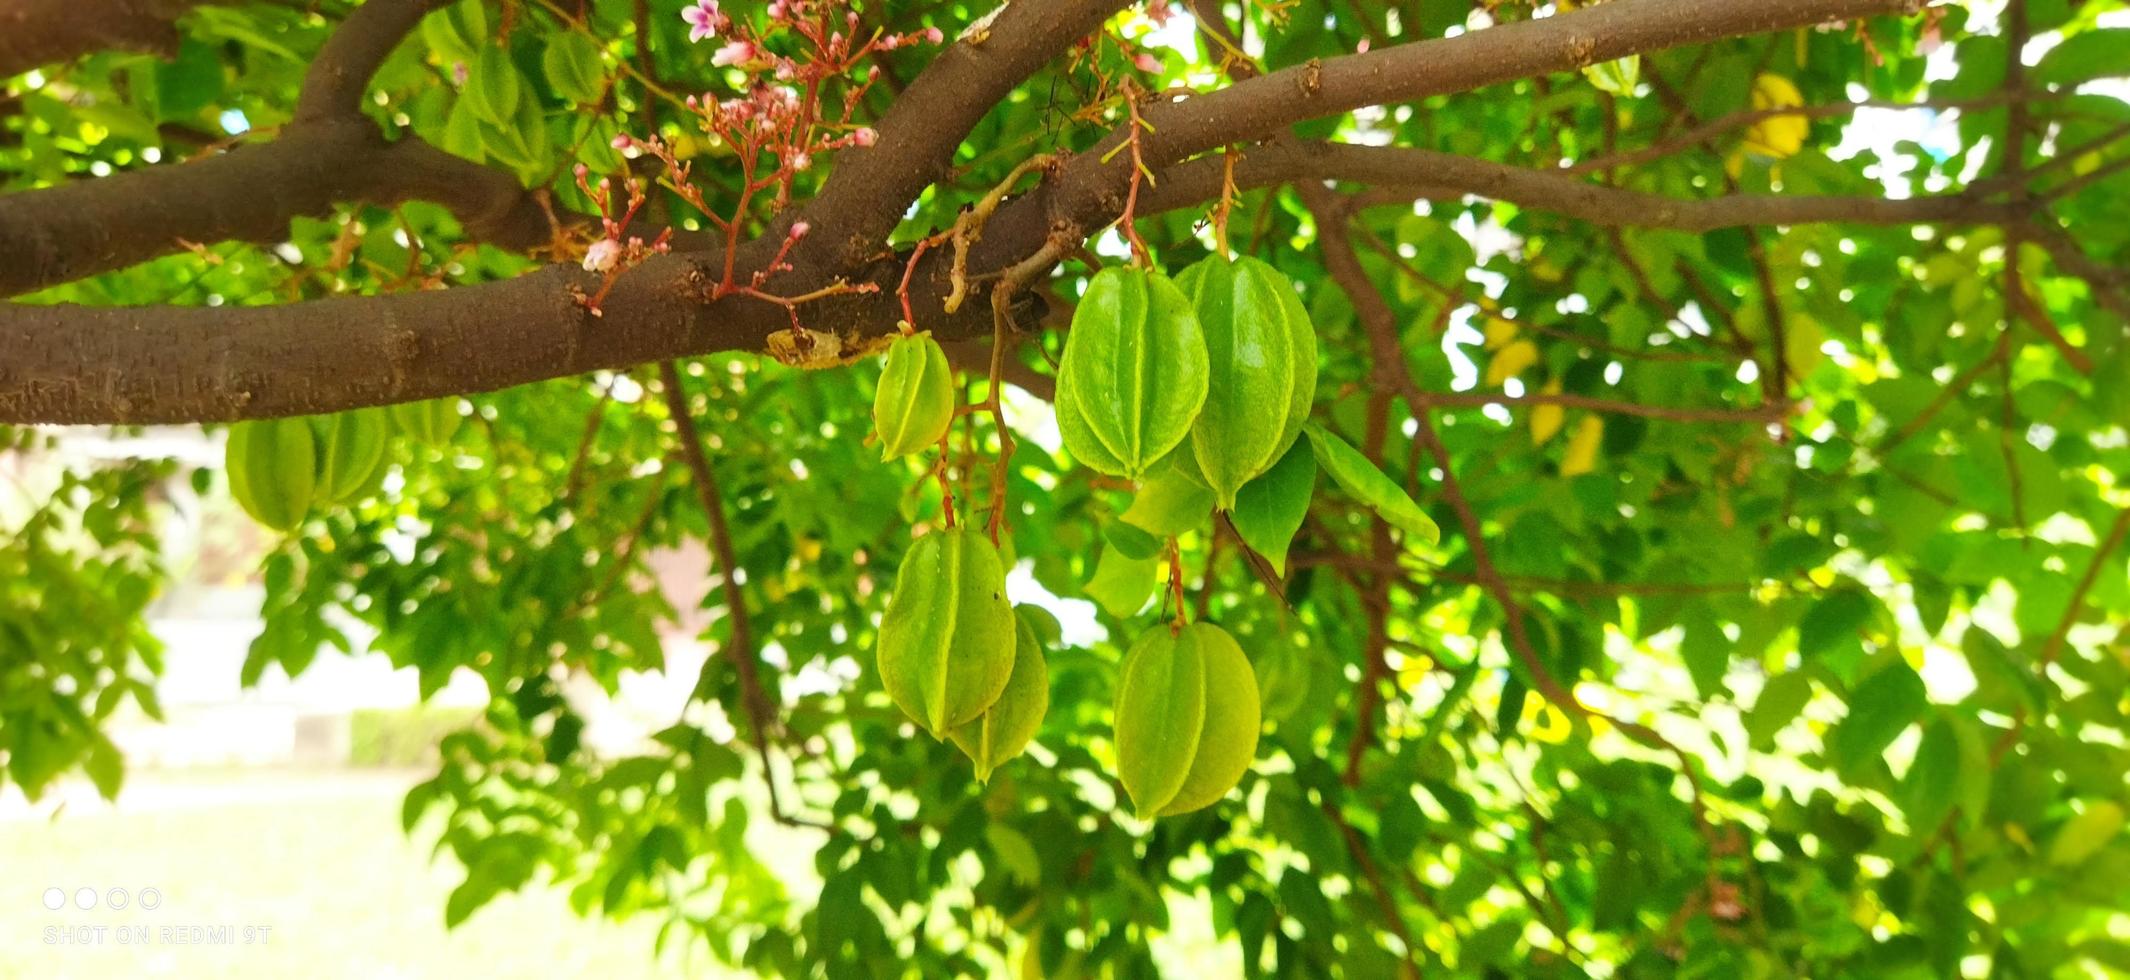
{"type": "Point", "coordinates": [316, 856]}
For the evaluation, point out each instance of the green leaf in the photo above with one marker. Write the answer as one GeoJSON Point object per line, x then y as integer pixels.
{"type": "Point", "coordinates": [493, 87]}
{"type": "Point", "coordinates": [1707, 652]}
{"type": "Point", "coordinates": [572, 64]}
{"type": "Point", "coordinates": [1130, 541]}
{"type": "Point", "coordinates": [1169, 504]}
{"type": "Point", "coordinates": [1932, 784]}
{"type": "Point", "coordinates": [1269, 510]}
{"type": "Point", "coordinates": [1837, 616]}
{"type": "Point", "coordinates": [2086, 833]}
{"type": "Point", "coordinates": [2100, 53]}
{"type": "Point", "coordinates": [1880, 708]}
{"type": "Point", "coordinates": [1779, 703]}
{"type": "Point", "coordinates": [106, 768]}
{"type": "Point", "coordinates": [1359, 477]}
{"type": "Point", "coordinates": [1122, 584]}
{"type": "Point", "coordinates": [1015, 853]}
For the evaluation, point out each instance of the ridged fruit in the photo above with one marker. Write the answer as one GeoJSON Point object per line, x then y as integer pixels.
{"type": "Point", "coordinates": [1186, 719]}
{"type": "Point", "coordinates": [947, 640]}
{"type": "Point", "coordinates": [1005, 728]}
{"type": "Point", "coordinates": [434, 421]}
{"type": "Point", "coordinates": [1261, 357]}
{"type": "Point", "coordinates": [351, 452]}
{"type": "Point", "coordinates": [1133, 377]}
{"type": "Point", "coordinates": [914, 405]}
{"type": "Point", "coordinates": [272, 466]}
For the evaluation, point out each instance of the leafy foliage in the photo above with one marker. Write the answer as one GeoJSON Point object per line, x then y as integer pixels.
{"type": "Point", "coordinates": [1745, 602]}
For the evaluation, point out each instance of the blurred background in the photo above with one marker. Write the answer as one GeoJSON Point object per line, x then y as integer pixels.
{"type": "Point", "coordinates": [263, 825]}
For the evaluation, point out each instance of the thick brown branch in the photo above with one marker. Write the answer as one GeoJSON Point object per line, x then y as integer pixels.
{"type": "Point", "coordinates": [41, 32]}
{"type": "Point", "coordinates": [341, 71]}
{"type": "Point", "coordinates": [870, 188]}
{"type": "Point", "coordinates": [86, 227]}
{"type": "Point", "coordinates": [330, 154]}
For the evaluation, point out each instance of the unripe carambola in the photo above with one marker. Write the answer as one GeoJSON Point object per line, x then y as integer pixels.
{"type": "Point", "coordinates": [1134, 372]}
{"type": "Point", "coordinates": [1187, 719]}
{"type": "Point", "coordinates": [1261, 357]}
{"type": "Point", "coordinates": [351, 452]}
{"type": "Point", "coordinates": [914, 405]}
{"type": "Point", "coordinates": [272, 466]}
{"type": "Point", "coordinates": [1005, 728]}
{"type": "Point", "coordinates": [434, 421]}
{"type": "Point", "coordinates": [947, 640]}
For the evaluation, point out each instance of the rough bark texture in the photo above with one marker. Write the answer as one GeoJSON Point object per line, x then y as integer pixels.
{"type": "Point", "coordinates": [82, 365]}
{"type": "Point", "coordinates": [34, 33]}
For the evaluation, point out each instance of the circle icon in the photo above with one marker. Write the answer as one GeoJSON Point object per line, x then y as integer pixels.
{"type": "Point", "coordinates": [55, 899]}
{"type": "Point", "coordinates": [115, 899]}
{"type": "Point", "coordinates": [85, 898]}
{"type": "Point", "coordinates": [151, 899]}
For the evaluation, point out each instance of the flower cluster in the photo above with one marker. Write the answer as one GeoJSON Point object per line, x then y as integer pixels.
{"type": "Point", "coordinates": [805, 74]}
{"type": "Point", "coordinates": [615, 250]}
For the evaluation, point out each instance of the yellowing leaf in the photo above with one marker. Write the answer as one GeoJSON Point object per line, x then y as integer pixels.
{"type": "Point", "coordinates": [1777, 136]}
{"type": "Point", "coordinates": [2086, 833]}
{"type": "Point", "coordinates": [1499, 332]}
{"type": "Point", "coordinates": [1801, 338]}
{"type": "Point", "coordinates": [1546, 419]}
{"type": "Point", "coordinates": [1583, 447]}
{"type": "Point", "coordinates": [1545, 723]}
{"type": "Point", "coordinates": [1511, 361]}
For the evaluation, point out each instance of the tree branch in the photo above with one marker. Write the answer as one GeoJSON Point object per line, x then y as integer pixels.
{"type": "Point", "coordinates": [1090, 188]}
{"type": "Point", "coordinates": [340, 73]}
{"type": "Point", "coordinates": [331, 153]}
{"type": "Point", "coordinates": [40, 32]}
{"type": "Point", "coordinates": [83, 228]}
{"type": "Point", "coordinates": [1431, 174]}
{"type": "Point", "coordinates": [870, 189]}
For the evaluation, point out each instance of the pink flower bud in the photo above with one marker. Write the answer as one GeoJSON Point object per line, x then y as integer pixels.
{"type": "Point", "coordinates": [799, 229]}
{"type": "Point", "coordinates": [865, 136]}
{"type": "Point", "coordinates": [733, 53]}
{"type": "Point", "coordinates": [623, 142]}
{"type": "Point", "coordinates": [602, 256]}
{"type": "Point", "coordinates": [934, 35]}
{"type": "Point", "coordinates": [582, 171]}
{"type": "Point", "coordinates": [1146, 62]}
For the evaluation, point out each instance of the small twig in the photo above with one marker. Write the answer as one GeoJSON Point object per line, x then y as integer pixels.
{"type": "Point", "coordinates": [745, 657]}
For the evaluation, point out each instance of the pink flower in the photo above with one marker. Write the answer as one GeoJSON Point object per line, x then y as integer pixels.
{"type": "Point", "coordinates": [602, 255]}
{"type": "Point", "coordinates": [623, 142]}
{"type": "Point", "coordinates": [865, 136]}
{"type": "Point", "coordinates": [1158, 11]}
{"type": "Point", "coordinates": [778, 10]}
{"type": "Point", "coordinates": [800, 160]}
{"type": "Point", "coordinates": [734, 53]}
{"type": "Point", "coordinates": [1146, 62]}
{"type": "Point", "coordinates": [704, 20]}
